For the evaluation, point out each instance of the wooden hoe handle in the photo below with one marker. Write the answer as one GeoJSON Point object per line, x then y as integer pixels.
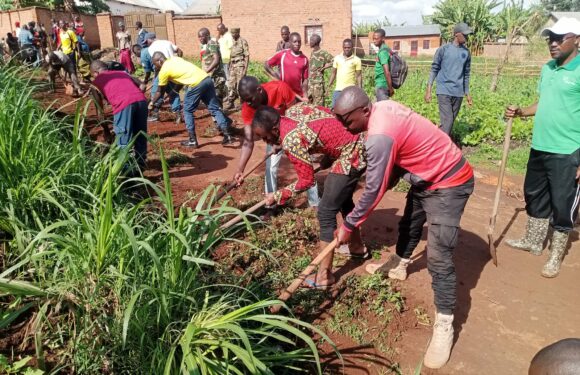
{"type": "Point", "coordinates": [287, 293]}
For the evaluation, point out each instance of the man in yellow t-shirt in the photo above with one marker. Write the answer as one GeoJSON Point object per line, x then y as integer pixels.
{"type": "Point", "coordinates": [69, 43]}
{"type": "Point", "coordinates": [226, 42]}
{"type": "Point", "coordinates": [198, 87]}
{"type": "Point", "coordinates": [346, 69]}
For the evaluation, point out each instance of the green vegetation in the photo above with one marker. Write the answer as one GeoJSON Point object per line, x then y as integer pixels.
{"type": "Point", "coordinates": [94, 280]}
{"type": "Point", "coordinates": [482, 123]}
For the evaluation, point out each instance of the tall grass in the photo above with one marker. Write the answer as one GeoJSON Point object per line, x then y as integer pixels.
{"type": "Point", "coordinates": [105, 283]}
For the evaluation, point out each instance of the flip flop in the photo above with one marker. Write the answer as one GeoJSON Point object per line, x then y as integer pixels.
{"type": "Point", "coordinates": [311, 284]}
{"type": "Point", "coordinates": [345, 251]}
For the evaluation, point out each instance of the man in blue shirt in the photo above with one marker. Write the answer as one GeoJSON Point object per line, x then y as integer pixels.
{"type": "Point", "coordinates": [28, 50]}
{"type": "Point", "coordinates": [450, 70]}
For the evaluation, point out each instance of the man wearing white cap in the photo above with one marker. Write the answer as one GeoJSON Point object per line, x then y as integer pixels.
{"type": "Point", "coordinates": [551, 185]}
{"type": "Point", "coordinates": [450, 70]}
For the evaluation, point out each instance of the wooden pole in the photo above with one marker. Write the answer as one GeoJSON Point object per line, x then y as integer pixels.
{"type": "Point", "coordinates": [492, 220]}
{"type": "Point", "coordinates": [287, 293]}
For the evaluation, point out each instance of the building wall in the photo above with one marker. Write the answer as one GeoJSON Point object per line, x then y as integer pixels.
{"type": "Point", "coordinates": [185, 32]}
{"type": "Point", "coordinates": [260, 23]}
{"type": "Point", "coordinates": [120, 9]}
{"type": "Point", "coordinates": [44, 15]}
{"type": "Point", "coordinates": [405, 44]}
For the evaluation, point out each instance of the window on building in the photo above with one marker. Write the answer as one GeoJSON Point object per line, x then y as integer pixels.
{"type": "Point", "coordinates": [311, 30]}
{"type": "Point", "coordinates": [426, 44]}
{"type": "Point", "coordinates": [396, 45]}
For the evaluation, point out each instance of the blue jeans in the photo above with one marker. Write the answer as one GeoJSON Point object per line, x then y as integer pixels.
{"type": "Point", "coordinates": [271, 180]}
{"type": "Point", "coordinates": [204, 91]}
{"type": "Point", "coordinates": [335, 96]}
{"type": "Point", "coordinates": [128, 123]}
{"type": "Point", "coordinates": [171, 92]}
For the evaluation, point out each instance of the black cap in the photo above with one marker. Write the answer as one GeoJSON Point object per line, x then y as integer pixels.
{"type": "Point", "coordinates": [462, 28]}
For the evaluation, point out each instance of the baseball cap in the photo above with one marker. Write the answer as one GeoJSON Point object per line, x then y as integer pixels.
{"type": "Point", "coordinates": [564, 26]}
{"type": "Point", "coordinates": [462, 28]}
{"type": "Point", "coordinates": [150, 36]}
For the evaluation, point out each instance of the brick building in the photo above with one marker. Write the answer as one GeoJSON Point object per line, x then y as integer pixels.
{"type": "Point", "coordinates": [260, 22]}
{"type": "Point", "coordinates": [413, 40]}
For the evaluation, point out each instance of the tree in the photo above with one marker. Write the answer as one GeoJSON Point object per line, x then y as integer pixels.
{"type": "Point", "coordinates": [515, 21]}
{"type": "Point", "coordinates": [476, 13]}
{"type": "Point", "coordinates": [561, 5]}
{"type": "Point", "coordinates": [364, 28]}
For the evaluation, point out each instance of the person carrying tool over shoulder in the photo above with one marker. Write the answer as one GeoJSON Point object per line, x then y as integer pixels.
{"type": "Point", "coordinates": [400, 140]}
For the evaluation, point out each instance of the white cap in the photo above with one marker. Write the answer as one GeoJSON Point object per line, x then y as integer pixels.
{"type": "Point", "coordinates": [565, 25]}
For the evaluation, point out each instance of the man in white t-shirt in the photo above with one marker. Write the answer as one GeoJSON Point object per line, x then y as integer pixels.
{"type": "Point", "coordinates": [168, 49]}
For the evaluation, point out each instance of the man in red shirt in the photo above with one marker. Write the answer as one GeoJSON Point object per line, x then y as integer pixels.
{"type": "Point", "coordinates": [275, 94]}
{"type": "Point", "coordinates": [303, 131]}
{"type": "Point", "coordinates": [293, 66]}
{"type": "Point", "coordinates": [441, 180]}
{"type": "Point", "coordinates": [125, 94]}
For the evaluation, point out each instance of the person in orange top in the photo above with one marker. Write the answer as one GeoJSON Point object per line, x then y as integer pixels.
{"type": "Point", "coordinates": [275, 94]}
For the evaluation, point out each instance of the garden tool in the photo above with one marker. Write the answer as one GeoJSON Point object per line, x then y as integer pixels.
{"type": "Point", "coordinates": [492, 220]}
{"type": "Point", "coordinates": [233, 184]}
{"type": "Point", "coordinates": [287, 293]}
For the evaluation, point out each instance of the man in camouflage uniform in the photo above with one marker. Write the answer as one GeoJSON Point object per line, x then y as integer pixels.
{"type": "Point", "coordinates": [239, 62]}
{"type": "Point", "coordinates": [211, 62]}
{"type": "Point", "coordinates": [319, 61]}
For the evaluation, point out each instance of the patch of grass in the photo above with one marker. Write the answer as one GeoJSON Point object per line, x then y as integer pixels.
{"type": "Point", "coordinates": [176, 157]}
{"type": "Point", "coordinates": [489, 156]}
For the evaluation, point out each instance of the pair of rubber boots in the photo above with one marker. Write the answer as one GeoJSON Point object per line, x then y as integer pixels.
{"type": "Point", "coordinates": [533, 242]}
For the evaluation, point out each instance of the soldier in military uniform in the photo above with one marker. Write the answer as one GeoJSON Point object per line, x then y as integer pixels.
{"type": "Point", "coordinates": [320, 60]}
{"type": "Point", "coordinates": [211, 62]}
{"type": "Point", "coordinates": [239, 62]}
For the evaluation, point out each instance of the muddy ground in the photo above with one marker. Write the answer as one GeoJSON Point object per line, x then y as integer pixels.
{"type": "Point", "coordinates": [504, 314]}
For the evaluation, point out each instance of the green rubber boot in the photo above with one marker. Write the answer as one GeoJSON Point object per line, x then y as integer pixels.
{"type": "Point", "coordinates": [557, 251]}
{"type": "Point", "coordinates": [533, 239]}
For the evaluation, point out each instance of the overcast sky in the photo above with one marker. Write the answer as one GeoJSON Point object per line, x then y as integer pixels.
{"type": "Point", "coordinates": [397, 11]}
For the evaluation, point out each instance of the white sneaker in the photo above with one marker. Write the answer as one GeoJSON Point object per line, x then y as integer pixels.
{"type": "Point", "coordinates": [441, 342]}
{"type": "Point", "coordinates": [395, 267]}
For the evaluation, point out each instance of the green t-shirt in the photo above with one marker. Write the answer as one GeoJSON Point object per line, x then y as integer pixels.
{"type": "Point", "coordinates": [318, 60]}
{"type": "Point", "coordinates": [557, 121]}
{"type": "Point", "coordinates": [383, 57]}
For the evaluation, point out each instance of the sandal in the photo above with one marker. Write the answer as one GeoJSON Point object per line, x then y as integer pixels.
{"type": "Point", "coordinates": [310, 283]}
{"type": "Point", "coordinates": [345, 251]}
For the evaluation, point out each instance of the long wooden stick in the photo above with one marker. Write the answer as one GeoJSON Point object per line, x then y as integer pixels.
{"type": "Point", "coordinates": [233, 184]}
{"type": "Point", "coordinates": [492, 220]}
{"type": "Point", "coordinates": [73, 101]}
{"type": "Point", "coordinates": [287, 293]}
{"type": "Point", "coordinates": [239, 217]}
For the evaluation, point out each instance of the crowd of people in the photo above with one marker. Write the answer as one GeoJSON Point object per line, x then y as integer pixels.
{"type": "Point", "coordinates": [382, 139]}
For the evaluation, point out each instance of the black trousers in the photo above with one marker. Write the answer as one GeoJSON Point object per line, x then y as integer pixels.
{"type": "Point", "coordinates": [449, 107]}
{"type": "Point", "coordinates": [442, 210]}
{"type": "Point", "coordinates": [337, 197]}
{"type": "Point", "coordinates": [551, 189]}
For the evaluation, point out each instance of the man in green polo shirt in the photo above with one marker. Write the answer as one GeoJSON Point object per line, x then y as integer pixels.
{"type": "Point", "coordinates": [551, 185]}
{"type": "Point", "coordinates": [383, 85]}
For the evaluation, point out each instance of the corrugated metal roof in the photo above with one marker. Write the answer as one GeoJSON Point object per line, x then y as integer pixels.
{"type": "Point", "coordinates": [162, 5]}
{"type": "Point", "coordinates": [202, 8]}
{"type": "Point", "coordinates": [411, 30]}
{"type": "Point", "coordinates": [559, 15]}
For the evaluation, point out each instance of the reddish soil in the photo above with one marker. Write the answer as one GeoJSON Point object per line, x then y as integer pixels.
{"type": "Point", "coordinates": [504, 314]}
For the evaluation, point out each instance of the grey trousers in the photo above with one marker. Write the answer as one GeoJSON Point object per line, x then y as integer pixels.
{"type": "Point", "coordinates": [382, 93]}
{"type": "Point", "coordinates": [448, 110]}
